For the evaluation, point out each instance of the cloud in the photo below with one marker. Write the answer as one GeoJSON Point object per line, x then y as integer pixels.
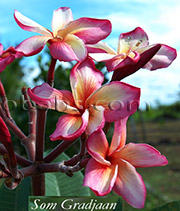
{"type": "Point", "coordinates": [160, 21]}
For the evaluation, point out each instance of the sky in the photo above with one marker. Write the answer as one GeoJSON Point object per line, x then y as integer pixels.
{"type": "Point", "coordinates": [160, 20]}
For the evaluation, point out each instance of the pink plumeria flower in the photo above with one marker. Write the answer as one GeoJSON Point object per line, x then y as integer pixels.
{"type": "Point", "coordinates": [133, 53]}
{"type": "Point", "coordinates": [89, 104]}
{"type": "Point", "coordinates": [68, 37]}
{"type": "Point", "coordinates": [7, 56]}
{"type": "Point", "coordinates": [113, 168]}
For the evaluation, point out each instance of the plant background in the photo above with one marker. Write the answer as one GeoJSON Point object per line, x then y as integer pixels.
{"type": "Point", "coordinates": [157, 125]}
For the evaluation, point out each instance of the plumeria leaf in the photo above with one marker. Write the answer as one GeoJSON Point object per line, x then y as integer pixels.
{"type": "Point", "coordinates": [15, 200]}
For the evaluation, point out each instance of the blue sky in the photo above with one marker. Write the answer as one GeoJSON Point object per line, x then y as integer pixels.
{"type": "Point", "coordinates": [158, 18]}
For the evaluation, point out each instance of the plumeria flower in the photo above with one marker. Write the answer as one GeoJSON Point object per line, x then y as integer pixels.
{"type": "Point", "coordinates": [89, 104]}
{"type": "Point", "coordinates": [68, 37]}
{"type": "Point", "coordinates": [133, 53]}
{"type": "Point", "coordinates": [114, 167]}
{"type": "Point", "coordinates": [7, 56]}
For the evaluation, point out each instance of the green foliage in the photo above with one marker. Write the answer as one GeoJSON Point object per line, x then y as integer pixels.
{"type": "Point", "coordinates": [12, 79]}
{"type": "Point", "coordinates": [172, 206]}
{"type": "Point", "coordinates": [15, 200]}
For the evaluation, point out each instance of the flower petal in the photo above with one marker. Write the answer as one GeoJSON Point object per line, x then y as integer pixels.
{"type": "Point", "coordinates": [71, 48]}
{"type": "Point", "coordinates": [119, 136]}
{"type": "Point", "coordinates": [100, 178]}
{"type": "Point", "coordinates": [70, 127]}
{"type": "Point", "coordinates": [97, 146]}
{"type": "Point", "coordinates": [61, 17]}
{"type": "Point", "coordinates": [84, 79]}
{"type": "Point", "coordinates": [119, 100]}
{"type": "Point", "coordinates": [132, 40]}
{"type": "Point", "coordinates": [32, 45]}
{"type": "Point", "coordinates": [5, 61]}
{"type": "Point", "coordinates": [96, 119]}
{"type": "Point", "coordinates": [48, 97]}
{"type": "Point", "coordinates": [30, 25]}
{"type": "Point", "coordinates": [1, 49]}
{"type": "Point", "coordinates": [121, 60]}
{"type": "Point", "coordinates": [99, 57]}
{"type": "Point", "coordinates": [3, 65]}
{"type": "Point", "coordinates": [129, 185]}
{"type": "Point", "coordinates": [101, 47]}
{"type": "Point", "coordinates": [90, 30]}
{"type": "Point", "coordinates": [162, 59]}
{"type": "Point", "coordinates": [142, 155]}
{"type": "Point", "coordinates": [145, 56]}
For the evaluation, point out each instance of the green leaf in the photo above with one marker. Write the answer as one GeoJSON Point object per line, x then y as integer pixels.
{"type": "Point", "coordinates": [59, 184]}
{"type": "Point", "coordinates": [15, 200]}
{"type": "Point", "coordinates": [172, 206]}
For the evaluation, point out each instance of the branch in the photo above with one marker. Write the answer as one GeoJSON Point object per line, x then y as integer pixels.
{"type": "Point", "coordinates": [40, 133]}
{"type": "Point", "coordinates": [3, 175]}
{"type": "Point", "coordinates": [20, 160]}
{"type": "Point", "coordinates": [58, 150]}
{"type": "Point", "coordinates": [29, 142]}
{"type": "Point", "coordinates": [4, 101]}
{"type": "Point", "coordinates": [2, 168]}
{"type": "Point", "coordinates": [13, 127]}
{"type": "Point", "coordinates": [61, 167]}
{"type": "Point", "coordinates": [76, 158]}
{"type": "Point", "coordinates": [50, 76]}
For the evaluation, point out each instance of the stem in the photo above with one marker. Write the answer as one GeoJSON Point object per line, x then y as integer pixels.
{"type": "Point", "coordinates": [38, 181]}
{"type": "Point", "coordinates": [3, 175]}
{"type": "Point", "coordinates": [2, 168]}
{"type": "Point", "coordinates": [4, 100]}
{"type": "Point", "coordinates": [31, 111]}
{"type": "Point", "coordinates": [50, 76]}
{"type": "Point", "coordinates": [61, 167]}
{"type": "Point", "coordinates": [74, 160]}
{"type": "Point", "coordinates": [40, 133]}
{"type": "Point", "coordinates": [29, 145]}
{"type": "Point", "coordinates": [20, 160]}
{"type": "Point", "coordinates": [14, 128]}
{"type": "Point", "coordinates": [29, 142]}
{"type": "Point", "coordinates": [38, 185]}
{"type": "Point", "coordinates": [58, 150]}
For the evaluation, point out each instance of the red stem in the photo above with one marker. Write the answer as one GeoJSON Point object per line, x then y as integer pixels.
{"type": "Point", "coordinates": [13, 127]}
{"type": "Point", "coordinates": [20, 160]}
{"type": "Point", "coordinates": [40, 133]}
{"type": "Point", "coordinates": [74, 160]}
{"type": "Point", "coordinates": [29, 142]}
{"type": "Point", "coordinates": [58, 150]}
{"type": "Point", "coordinates": [4, 100]}
{"type": "Point", "coordinates": [38, 181]}
{"type": "Point", "coordinates": [50, 76]}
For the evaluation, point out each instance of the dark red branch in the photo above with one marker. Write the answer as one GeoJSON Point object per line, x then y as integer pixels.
{"type": "Point", "coordinates": [29, 142]}
{"type": "Point", "coordinates": [40, 133]}
{"type": "Point", "coordinates": [76, 158]}
{"type": "Point", "coordinates": [50, 76]}
{"type": "Point", "coordinates": [12, 126]}
{"type": "Point", "coordinates": [20, 160]}
{"type": "Point", "coordinates": [58, 150]}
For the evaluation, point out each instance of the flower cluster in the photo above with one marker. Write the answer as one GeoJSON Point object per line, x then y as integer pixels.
{"type": "Point", "coordinates": [92, 104]}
